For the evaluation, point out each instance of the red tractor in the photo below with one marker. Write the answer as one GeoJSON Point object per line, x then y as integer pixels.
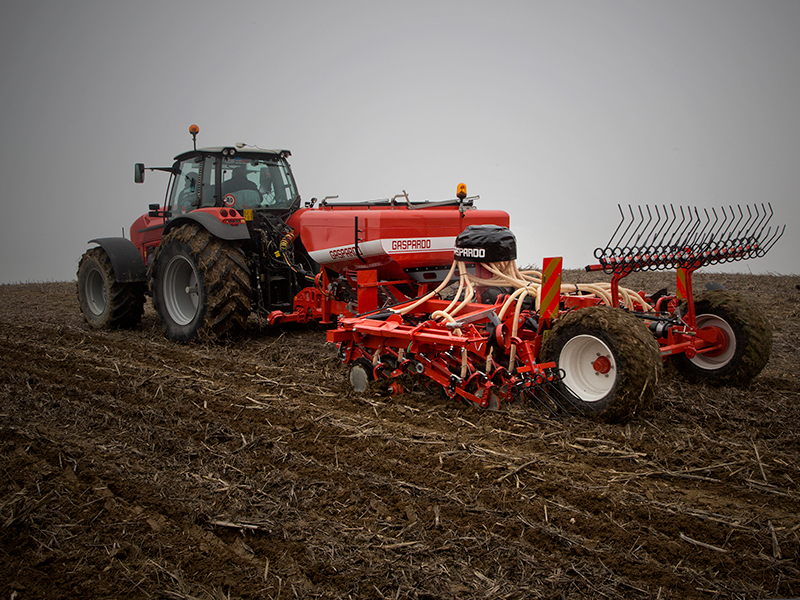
{"type": "Point", "coordinates": [232, 238]}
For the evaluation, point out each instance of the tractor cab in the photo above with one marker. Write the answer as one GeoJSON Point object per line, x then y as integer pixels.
{"type": "Point", "coordinates": [229, 177]}
{"type": "Point", "coordinates": [231, 191]}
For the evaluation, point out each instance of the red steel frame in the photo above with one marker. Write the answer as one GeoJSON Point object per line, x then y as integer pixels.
{"type": "Point", "coordinates": [437, 349]}
{"type": "Point", "coordinates": [397, 344]}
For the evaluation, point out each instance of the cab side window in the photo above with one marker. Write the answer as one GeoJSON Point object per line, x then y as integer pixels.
{"type": "Point", "coordinates": [209, 182]}
{"type": "Point", "coordinates": [184, 197]}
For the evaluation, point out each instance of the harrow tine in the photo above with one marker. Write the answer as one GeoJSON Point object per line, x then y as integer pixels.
{"type": "Point", "coordinates": [651, 245]}
{"type": "Point", "coordinates": [770, 242]}
{"type": "Point", "coordinates": [699, 232]}
{"type": "Point", "coordinates": [621, 221]}
{"type": "Point", "coordinates": [753, 225]}
{"type": "Point", "coordinates": [675, 230]}
{"type": "Point", "coordinates": [541, 406]}
{"type": "Point", "coordinates": [724, 229]}
{"type": "Point", "coordinates": [526, 399]}
{"type": "Point", "coordinates": [681, 233]}
{"type": "Point", "coordinates": [557, 402]}
{"type": "Point", "coordinates": [645, 226]}
{"type": "Point", "coordinates": [600, 252]}
{"type": "Point", "coordinates": [708, 243]}
{"type": "Point", "coordinates": [633, 220]}
{"type": "Point", "coordinates": [760, 225]}
{"type": "Point", "coordinates": [738, 223]}
{"type": "Point", "coordinates": [661, 237]}
{"type": "Point", "coordinates": [658, 238]}
{"type": "Point", "coordinates": [692, 226]}
{"type": "Point", "coordinates": [770, 238]}
{"type": "Point", "coordinates": [753, 219]}
{"type": "Point", "coordinates": [570, 397]}
{"type": "Point", "coordinates": [742, 239]}
{"type": "Point", "coordinates": [553, 398]}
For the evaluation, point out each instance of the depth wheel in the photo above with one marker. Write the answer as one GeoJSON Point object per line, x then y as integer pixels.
{"type": "Point", "coordinates": [105, 302]}
{"type": "Point", "coordinates": [610, 361]}
{"type": "Point", "coordinates": [201, 285]}
{"type": "Point", "coordinates": [361, 374]}
{"type": "Point", "coordinates": [746, 335]}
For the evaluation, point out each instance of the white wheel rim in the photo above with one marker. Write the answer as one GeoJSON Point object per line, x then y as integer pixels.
{"type": "Point", "coordinates": [181, 296]}
{"type": "Point", "coordinates": [718, 360]}
{"type": "Point", "coordinates": [95, 291]}
{"type": "Point", "coordinates": [590, 370]}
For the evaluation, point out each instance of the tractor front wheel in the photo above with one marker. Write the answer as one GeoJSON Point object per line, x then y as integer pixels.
{"type": "Point", "coordinates": [610, 362]}
{"type": "Point", "coordinates": [201, 285]}
{"type": "Point", "coordinates": [105, 302]}
{"type": "Point", "coordinates": [746, 336]}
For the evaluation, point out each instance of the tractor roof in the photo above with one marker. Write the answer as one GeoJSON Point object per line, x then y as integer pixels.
{"type": "Point", "coordinates": [243, 150]}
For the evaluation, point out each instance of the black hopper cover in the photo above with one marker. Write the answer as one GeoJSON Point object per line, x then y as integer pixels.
{"type": "Point", "coordinates": [486, 244]}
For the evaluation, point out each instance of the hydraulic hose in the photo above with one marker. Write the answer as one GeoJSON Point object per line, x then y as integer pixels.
{"type": "Point", "coordinates": [525, 283]}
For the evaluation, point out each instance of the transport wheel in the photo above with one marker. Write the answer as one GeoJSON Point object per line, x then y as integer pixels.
{"type": "Point", "coordinates": [105, 302]}
{"type": "Point", "coordinates": [610, 361]}
{"type": "Point", "coordinates": [201, 285]}
{"type": "Point", "coordinates": [747, 336]}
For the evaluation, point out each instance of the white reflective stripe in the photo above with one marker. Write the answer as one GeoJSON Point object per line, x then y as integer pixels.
{"type": "Point", "coordinates": [383, 247]}
{"type": "Point", "coordinates": [345, 253]}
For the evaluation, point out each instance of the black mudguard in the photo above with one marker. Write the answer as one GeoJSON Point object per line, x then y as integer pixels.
{"type": "Point", "coordinates": [213, 225]}
{"type": "Point", "coordinates": [125, 259]}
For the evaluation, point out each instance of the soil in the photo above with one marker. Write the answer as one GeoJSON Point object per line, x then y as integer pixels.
{"type": "Point", "coordinates": [135, 467]}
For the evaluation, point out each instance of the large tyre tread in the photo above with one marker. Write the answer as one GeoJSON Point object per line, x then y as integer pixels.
{"type": "Point", "coordinates": [125, 299]}
{"type": "Point", "coordinates": [754, 339]}
{"type": "Point", "coordinates": [226, 280]}
{"type": "Point", "coordinates": [636, 353]}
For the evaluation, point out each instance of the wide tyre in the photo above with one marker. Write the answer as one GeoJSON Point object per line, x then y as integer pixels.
{"type": "Point", "coordinates": [747, 335]}
{"type": "Point", "coordinates": [201, 285]}
{"type": "Point", "coordinates": [610, 361]}
{"type": "Point", "coordinates": [105, 302]}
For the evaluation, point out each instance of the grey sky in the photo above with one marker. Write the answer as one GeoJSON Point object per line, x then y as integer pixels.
{"type": "Point", "coordinates": [552, 111]}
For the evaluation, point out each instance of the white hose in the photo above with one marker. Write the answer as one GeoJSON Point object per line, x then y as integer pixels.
{"type": "Point", "coordinates": [525, 283]}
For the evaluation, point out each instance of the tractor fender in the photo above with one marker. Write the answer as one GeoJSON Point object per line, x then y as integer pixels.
{"type": "Point", "coordinates": [211, 224]}
{"type": "Point", "coordinates": [125, 258]}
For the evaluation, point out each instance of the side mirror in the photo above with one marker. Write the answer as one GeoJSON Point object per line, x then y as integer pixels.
{"type": "Point", "coordinates": [155, 211]}
{"type": "Point", "coordinates": [138, 173]}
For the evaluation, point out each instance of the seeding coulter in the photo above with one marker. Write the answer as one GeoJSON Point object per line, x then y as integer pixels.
{"type": "Point", "coordinates": [508, 335]}
{"type": "Point", "coordinates": [430, 291]}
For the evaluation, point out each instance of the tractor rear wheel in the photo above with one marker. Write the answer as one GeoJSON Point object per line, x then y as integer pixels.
{"type": "Point", "coordinates": [201, 285]}
{"type": "Point", "coordinates": [105, 302]}
{"type": "Point", "coordinates": [611, 364]}
{"type": "Point", "coordinates": [747, 336]}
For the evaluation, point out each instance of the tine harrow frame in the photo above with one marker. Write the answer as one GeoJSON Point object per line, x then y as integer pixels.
{"type": "Point", "coordinates": [663, 238]}
{"type": "Point", "coordinates": [684, 239]}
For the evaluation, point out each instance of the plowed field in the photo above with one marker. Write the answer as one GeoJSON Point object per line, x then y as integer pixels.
{"type": "Point", "coordinates": [134, 467]}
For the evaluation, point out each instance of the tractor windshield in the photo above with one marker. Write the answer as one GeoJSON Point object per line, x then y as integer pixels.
{"type": "Point", "coordinates": [256, 182]}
